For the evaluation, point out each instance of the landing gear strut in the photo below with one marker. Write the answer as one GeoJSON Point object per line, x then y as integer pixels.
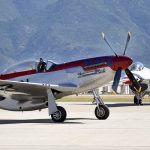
{"type": "Point", "coordinates": [137, 101]}
{"type": "Point", "coordinates": [57, 113]}
{"type": "Point", "coordinates": [139, 95]}
{"type": "Point", "coordinates": [101, 110]}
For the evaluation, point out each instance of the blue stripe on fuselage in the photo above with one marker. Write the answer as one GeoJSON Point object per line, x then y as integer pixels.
{"type": "Point", "coordinates": [98, 60]}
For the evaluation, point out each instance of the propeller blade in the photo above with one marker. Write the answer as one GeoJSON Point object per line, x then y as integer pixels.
{"type": "Point", "coordinates": [103, 36]}
{"type": "Point", "coordinates": [127, 42]}
{"type": "Point", "coordinates": [135, 83]}
{"type": "Point", "coordinates": [116, 80]}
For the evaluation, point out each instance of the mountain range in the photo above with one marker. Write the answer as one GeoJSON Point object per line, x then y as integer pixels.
{"type": "Point", "coordinates": [66, 30]}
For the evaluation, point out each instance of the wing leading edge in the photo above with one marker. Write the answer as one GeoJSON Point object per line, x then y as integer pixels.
{"type": "Point", "coordinates": [34, 89]}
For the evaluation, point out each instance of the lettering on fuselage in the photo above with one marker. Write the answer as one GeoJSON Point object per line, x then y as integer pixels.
{"type": "Point", "coordinates": [89, 73]}
{"type": "Point", "coordinates": [94, 65]}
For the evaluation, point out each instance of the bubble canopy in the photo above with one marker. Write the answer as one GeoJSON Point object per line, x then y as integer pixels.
{"type": "Point", "coordinates": [27, 65]}
{"type": "Point", "coordinates": [23, 66]}
{"type": "Point", "coordinates": [138, 66]}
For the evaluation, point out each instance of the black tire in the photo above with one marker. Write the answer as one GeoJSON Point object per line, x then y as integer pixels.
{"type": "Point", "coordinates": [60, 115]}
{"type": "Point", "coordinates": [102, 112]}
{"type": "Point", "coordinates": [140, 102]}
{"type": "Point", "coordinates": [135, 100]}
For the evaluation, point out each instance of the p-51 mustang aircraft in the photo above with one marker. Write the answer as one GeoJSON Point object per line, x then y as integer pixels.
{"type": "Point", "coordinates": [142, 75]}
{"type": "Point", "coordinates": [37, 85]}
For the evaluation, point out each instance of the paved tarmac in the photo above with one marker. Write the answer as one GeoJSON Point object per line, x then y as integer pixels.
{"type": "Point", "coordinates": [127, 128]}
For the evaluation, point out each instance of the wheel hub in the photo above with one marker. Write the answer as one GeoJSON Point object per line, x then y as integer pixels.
{"type": "Point", "coordinates": [57, 115]}
{"type": "Point", "coordinates": [101, 112]}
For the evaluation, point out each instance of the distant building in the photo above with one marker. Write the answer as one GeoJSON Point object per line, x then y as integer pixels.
{"type": "Point", "coordinates": [122, 89]}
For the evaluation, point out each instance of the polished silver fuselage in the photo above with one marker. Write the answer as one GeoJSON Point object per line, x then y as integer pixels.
{"type": "Point", "coordinates": [76, 77]}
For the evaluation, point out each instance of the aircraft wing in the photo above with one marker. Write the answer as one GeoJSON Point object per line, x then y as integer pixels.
{"type": "Point", "coordinates": [126, 80]}
{"type": "Point", "coordinates": [33, 89]}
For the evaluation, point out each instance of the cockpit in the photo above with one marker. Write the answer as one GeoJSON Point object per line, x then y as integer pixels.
{"type": "Point", "coordinates": [138, 66]}
{"type": "Point", "coordinates": [29, 65]}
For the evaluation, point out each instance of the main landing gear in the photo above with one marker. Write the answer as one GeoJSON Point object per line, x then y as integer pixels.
{"type": "Point", "coordinates": [138, 101]}
{"type": "Point", "coordinates": [57, 113]}
{"type": "Point", "coordinates": [101, 110]}
{"type": "Point", "coordinates": [139, 95]}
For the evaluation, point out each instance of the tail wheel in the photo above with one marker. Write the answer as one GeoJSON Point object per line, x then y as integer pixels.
{"type": "Point", "coordinates": [60, 115]}
{"type": "Point", "coordinates": [102, 112]}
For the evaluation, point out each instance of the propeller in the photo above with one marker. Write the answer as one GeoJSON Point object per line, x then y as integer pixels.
{"type": "Point", "coordinates": [116, 80]}
{"type": "Point", "coordinates": [117, 77]}
{"type": "Point", "coordinates": [103, 35]}
{"type": "Point", "coordinates": [127, 42]}
{"type": "Point", "coordinates": [135, 83]}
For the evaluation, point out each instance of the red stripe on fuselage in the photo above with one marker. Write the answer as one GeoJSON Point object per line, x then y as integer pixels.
{"type": "Point", "coordinates": [17, 74]}
{"type": "Point", "coordinates": [87, 64]}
